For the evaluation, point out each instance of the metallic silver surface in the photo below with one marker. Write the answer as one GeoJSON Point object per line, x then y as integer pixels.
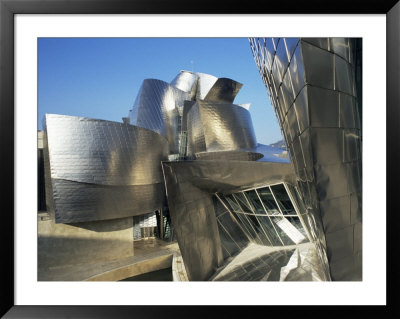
{"type": "Point", "coordinates": [99, 169]}
{"type": "Point", "coordinates": [190, 187]}
{"type": "Point", "coordinates": [223, 90]}
{"type": "Point", "coordinates": [157, 108]}
{"type": "Point", "coordinates": [193, 123]}
{"type": "Point", "coordinates": [205, 83]}
{"type": "Point", "coordinates": [226, 126]}
{"type": "Point", "coordinates": [219, 127]}
{"type": "Point", "coordinates": [341, 47]}
{"type": "Point", "coordinates": [262, 263]}
{"type": "Point", "coordinates": [322, 131]}
{"type": "Point", "coordinates": [187, 82]}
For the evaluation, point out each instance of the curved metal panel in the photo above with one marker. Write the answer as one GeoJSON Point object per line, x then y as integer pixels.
{"type": "Point", "coordinates": [190, 185]}
{"type": "Point", "coordinates": [102, 170]}
{"type": "Point", "coordinates": [205, 83]}
{"type": "Point", "coordinates": [223, 90]}
{"type": "Point", "coordinates": [103, 152]}
{"type": "Point", "coordinates": [81, 202]}
{"type": "Point", "coordinates": [156, 108]}
{"type": "Point", "coordinates": [195, 132]}
{"type": "Point", "coordinates": [187, 82]}
{"type": "Point", "coordinates": [323, 139]}
{"type": "Point", "coordinates": [226, 126]}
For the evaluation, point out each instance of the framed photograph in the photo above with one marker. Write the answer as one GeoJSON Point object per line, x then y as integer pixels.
{"type": "Point", "coordinates": [41, 274]}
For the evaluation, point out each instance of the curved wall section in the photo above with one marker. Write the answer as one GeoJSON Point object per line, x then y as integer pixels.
{"type": "Point", "coordinates": [312, 86]}
{"type": "Point", "coordinates": [186, 81]}
{"type": "Point", "coordinates": [226, 126]}
{"type": "Point", "coordinates": [100, 169]}
{"type": "Point", "coordinates": [223, 90]}
{"type": "Point", "coordinates": [156, 108]}
{"type": "Point", "coordinates": [205, 83]}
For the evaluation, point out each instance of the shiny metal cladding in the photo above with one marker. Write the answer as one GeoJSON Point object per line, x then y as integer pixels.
{"type": "Point", "coordinates": [99, 169]}
{"type": "Point", "coordinates": [312, 87]}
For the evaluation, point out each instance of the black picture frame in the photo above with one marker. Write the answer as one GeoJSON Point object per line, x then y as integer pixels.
{"type": "Point", "coordinates": [8, 8]}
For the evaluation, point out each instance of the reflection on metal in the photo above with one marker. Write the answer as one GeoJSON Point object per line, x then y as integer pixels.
{"type": "Point", "coordinates": [219, 127]}
{"type": "Point", "coordinates": [223, 90]}
{"type": "Point", "coordinates": [264, 263]}
{"type": "Point", "coordinates": [156, 108]}
{"type": "Point", "coordinates": [267, 216]}
{"type": "Point", "coordinates": [312, 87]}
{"type": "Point", "coordinates": [99, 169]}
{"type": "Point", "coordinates": [226, 193]}
{"type": "Point", "coordinates": [206, 233]}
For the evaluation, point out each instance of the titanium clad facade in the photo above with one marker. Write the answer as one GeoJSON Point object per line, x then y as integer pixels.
{"type": "Point", "coordinates": [190, 189]}
{"type": "Point", "coordinates": [312, 87]}
{"type": "Point", "coordinates": [204, 84]}
{"type": "Point", "coordinates": [201, 86]}
{"type": "Point", "coordinates": [235, 211]}
{"type": "Point", "coordinates": [99, 169]}
{"type": "Point", "coordinates": [157, 108]}
{"type": "Point", "coordinates": [223, 90]}
{"type": "Point", "coordinates": [187, 82]}
{"type": "Point", "coordinates": [226, 126]}
{"type": "Point", "coordinates": [216, 126]}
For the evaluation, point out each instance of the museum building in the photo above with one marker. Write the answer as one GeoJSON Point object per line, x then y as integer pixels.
{"type": "Point", "coordinates": [185, 167]}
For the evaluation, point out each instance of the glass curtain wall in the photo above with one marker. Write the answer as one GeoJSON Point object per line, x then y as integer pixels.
{"type": "Point", "coordinates": [271, 215]}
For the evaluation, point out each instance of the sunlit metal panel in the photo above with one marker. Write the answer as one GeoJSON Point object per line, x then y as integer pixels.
{"type": "Point", "coordinates": [322, 130]}
{"type": "Point", "coordinates": [223, 90]}
{"type": "Point", "coordinates": [190, 185]}
{"type": "Point", "coordinates": [100, 169]}
{"type": "Point", "coordinates": [223, 127]}
{"type": "Point", "coordinates": [157, 108]}
{"type": "Point", "coordinates": [187, 82]}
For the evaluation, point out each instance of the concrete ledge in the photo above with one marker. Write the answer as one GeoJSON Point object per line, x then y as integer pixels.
{"type": "Point", "coordinates": [178, 269]}
{"type": "Point", "coordinates": [135, 269]}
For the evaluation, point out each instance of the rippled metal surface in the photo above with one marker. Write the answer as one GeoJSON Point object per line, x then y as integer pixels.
{"type": "Point", "coordinates": [314, 96]}
{"type": "Point", "coordinates": [99, 169]}
{"type": "Point", "coordinates": [224, 90]}
{"type": "Point", "coordinates": [187, 82]}
{"type": "Point", "coordinates": [216, 126]}
{"type": "Point", "coordinates": [157, 108]}
{"type": "Point", "coordinates": [205, 83]}
{"type": "Point", "coordinates": [190, 187]}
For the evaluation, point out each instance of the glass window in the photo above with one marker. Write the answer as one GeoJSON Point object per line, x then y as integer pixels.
{"type": "Point", "coordinates": [283, 199]}
{"type": "Point", "coordinates": [258, 212]}
{"type": "Point", "coordinates": [295, 221]}
{"type": "Point", "coordinates": [243, 203]}
{"type": "Point", "coordinates": [255, 201]}
{"type": "Point", "coordinates": [233, 229]}
{"type": "Point", "coordinates": [268, 201]}
{"type": "Point", "coordinates": [264, 239]}
{"type": "Point", "coordinates": [266, 224]}
{"type": "Point", "coordinates": [283, 229]}
{"type": "Point", "coordinates": [218, 207]}
{"type": "Point", "coordinates": [248, 227]}
{"type": "Point", "coordinates": [297, 199]}
{"type": "Point", "coordinates": [232, 203]}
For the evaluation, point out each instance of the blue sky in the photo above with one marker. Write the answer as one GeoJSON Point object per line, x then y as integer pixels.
{"type": "Point", "coordinates": [100, 77]}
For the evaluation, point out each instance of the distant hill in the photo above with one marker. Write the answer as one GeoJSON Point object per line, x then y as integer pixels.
{"type": "Point", "coordinates": [279, 144]}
